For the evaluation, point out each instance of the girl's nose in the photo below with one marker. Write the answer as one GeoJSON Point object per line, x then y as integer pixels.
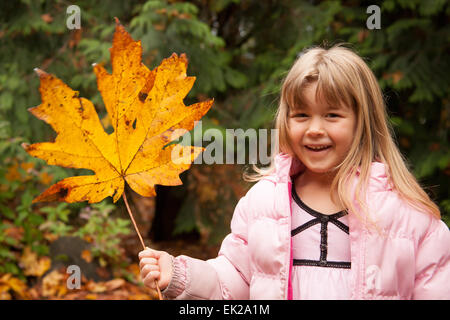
{"type": "Point", "coordinates": [315, 128]}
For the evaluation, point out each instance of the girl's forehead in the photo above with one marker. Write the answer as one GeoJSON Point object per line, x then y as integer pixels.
{"type": "Point", "coordinates": [336, 106]}
{"type": "Point", "coordinates": [317, 95]}
{"type": "Point", "coordinates": [312, 101]}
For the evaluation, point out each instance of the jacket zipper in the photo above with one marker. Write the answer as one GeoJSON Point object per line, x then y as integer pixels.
{"type": "Point", "coordinates": [289, 284]}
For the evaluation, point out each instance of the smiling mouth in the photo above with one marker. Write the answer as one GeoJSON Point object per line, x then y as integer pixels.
{"type": "Point", "coordinates": [317, 148]}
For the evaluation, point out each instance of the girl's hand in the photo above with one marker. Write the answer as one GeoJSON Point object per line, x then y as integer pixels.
{"type": "Point", "coordinates": [155, 265]}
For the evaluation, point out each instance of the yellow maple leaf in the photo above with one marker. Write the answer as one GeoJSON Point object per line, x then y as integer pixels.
{"type": "Point", "coordinates": [145, 108]}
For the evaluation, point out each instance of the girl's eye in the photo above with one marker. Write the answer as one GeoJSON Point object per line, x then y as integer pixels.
{"type": "Point", "coordinates": [300, 115]}
{"type": "Point", "coordinates": [332, 115]}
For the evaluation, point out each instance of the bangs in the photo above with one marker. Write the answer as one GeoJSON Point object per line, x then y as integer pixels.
{"type": "Point", "coordinates": [294, 92]}
{"type": "Point", "coordinates": [334, 90]}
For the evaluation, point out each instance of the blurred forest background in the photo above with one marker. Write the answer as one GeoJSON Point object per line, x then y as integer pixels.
{"type": "Point", "coordinates": [239, 50]}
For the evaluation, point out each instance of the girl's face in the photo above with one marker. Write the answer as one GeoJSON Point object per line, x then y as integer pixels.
{"type": "Point", "coordinates": [321, 134]}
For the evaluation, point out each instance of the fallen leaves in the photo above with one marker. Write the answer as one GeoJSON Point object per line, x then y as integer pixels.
{"type": "Point", "coordinates": [10, 284]}
{"type": "Point", "coordinates": [53, 286]}
{"type": "Point", "coordinates": [32, 265]}
{"type": "Point", "coordinates": [145, 109]}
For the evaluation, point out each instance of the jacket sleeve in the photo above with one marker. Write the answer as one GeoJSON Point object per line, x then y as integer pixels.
{"type": "Point", "coordinates": [433, 264]}
{"type": "Point", "coordinates": [224, 277]}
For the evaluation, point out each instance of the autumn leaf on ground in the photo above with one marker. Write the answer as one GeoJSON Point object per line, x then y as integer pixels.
{"type": "Point", "coordinates": [10, 283]}
{"type": "Point", "coordinates": [145, 109]}
{"type": "Point", "coordinates": [32, 265]}
{"type": "Point", "coordinates": [53, 284]}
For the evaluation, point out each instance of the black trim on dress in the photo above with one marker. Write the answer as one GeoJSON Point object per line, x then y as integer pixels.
{"type": "Point", "coordinates": [323, 219]}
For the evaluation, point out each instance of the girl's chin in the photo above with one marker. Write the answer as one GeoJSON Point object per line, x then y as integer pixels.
{"type": "Point", "coordinates": [316, 168]}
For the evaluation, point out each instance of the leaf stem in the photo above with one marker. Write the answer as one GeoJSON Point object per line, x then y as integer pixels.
{"type": "Point", "coordinates": [124, 196]}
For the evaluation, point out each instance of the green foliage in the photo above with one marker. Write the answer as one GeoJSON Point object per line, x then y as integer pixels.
{"type": "Point", "coordinates": [103, 232]}
{"type": "Point", "coordinates": [174, 27]}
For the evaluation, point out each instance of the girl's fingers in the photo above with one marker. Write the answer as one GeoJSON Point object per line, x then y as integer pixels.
{"type": "Point", "coordinates": [148, 268]}
{"type": "Point", "coordinates": [149, 253]}
{"type": "Point", "coordinates": [154, 265]}
{"type": "Point", "coordinates": [149, 280]}
{"type": "Point", "coordinates": [144, 261]}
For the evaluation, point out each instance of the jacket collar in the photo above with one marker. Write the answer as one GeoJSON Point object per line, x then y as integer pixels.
{"type": "Point", "coordinates": [287, 166]}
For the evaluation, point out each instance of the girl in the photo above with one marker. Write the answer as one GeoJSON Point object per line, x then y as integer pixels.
{"type": "Point", "coordinates": [336, 216]}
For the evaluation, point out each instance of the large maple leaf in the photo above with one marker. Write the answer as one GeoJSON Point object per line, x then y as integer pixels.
{"type": "Point", "coordinates": [145, 108]}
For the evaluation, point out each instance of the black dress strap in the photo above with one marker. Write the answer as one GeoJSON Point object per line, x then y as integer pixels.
{"type": "Point", "coordinates": [332, 217]}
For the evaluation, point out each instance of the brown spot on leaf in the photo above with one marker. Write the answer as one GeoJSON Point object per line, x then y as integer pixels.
{"type": "Point", "coordinates": [63, 192]}
{"type": "Point", "coordinates": [142, 96]}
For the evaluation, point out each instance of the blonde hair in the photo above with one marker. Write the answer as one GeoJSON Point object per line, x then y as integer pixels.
{"type": "Point", "coordinates": [343, 77]}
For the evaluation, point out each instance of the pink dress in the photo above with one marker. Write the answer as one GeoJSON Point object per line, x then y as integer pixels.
{"type": "Point", "coordinates": [321, 253]}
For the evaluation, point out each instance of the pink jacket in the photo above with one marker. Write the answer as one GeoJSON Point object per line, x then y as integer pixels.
{"type": "Point", "coordinates": [408, 259]}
